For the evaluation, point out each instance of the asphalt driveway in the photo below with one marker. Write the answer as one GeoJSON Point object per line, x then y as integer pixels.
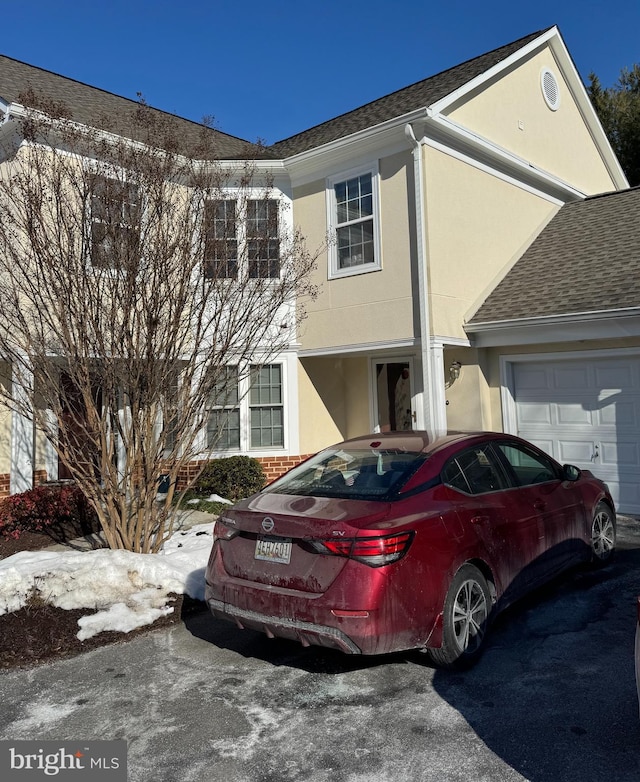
{"type": "Point", "coordinates": [552, 700]}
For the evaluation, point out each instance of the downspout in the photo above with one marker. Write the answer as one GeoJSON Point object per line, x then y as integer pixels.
{"type": "Point", "coordinates": [429, 416]}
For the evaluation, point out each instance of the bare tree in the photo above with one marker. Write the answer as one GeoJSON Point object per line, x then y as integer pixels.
{"type": "Point", "coordinates": [140, 280]}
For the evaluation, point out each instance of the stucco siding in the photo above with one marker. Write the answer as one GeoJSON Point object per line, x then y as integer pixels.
{"type": "Point", "coordinates": [365, 308]}
{"type": "Point", "coordinates": [334, 395]}
{"type": "Point", "coordinates": [513, 114]}
{"type": "Point", "coordinates": [468, 248]}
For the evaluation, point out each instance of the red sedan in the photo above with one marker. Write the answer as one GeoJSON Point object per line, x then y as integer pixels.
{"type": "Point", "coordinates": [391, 542]}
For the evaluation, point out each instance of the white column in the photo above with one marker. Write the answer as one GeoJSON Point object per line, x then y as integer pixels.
{"type": "Point", "coordinates": [22, 434]}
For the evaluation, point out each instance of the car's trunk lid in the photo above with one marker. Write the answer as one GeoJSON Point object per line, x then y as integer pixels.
{"type": "Point", "coordinates": [273, 538]}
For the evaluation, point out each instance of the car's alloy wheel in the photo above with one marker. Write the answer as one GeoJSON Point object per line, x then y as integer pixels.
{"type": "Point", "coordinates": [465, 617]}
{"type": "Point", "coordinates": [603, 533]}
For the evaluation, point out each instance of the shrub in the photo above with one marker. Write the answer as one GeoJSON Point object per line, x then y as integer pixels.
{"type": "Point", "coordinates": [233, 477]}
{"type": "Point", "coordinates": [46, 509]}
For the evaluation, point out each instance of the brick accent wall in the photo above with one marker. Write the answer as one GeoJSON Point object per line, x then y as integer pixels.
{"type": "Point", "coordinates": [5, 485]}
{"type": "Point", "coordinates": [39, 477]}
{"type": "Point", "coordinates": [273, 466]}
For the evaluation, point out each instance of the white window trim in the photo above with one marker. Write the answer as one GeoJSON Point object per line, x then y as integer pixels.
{"type": "Point", "coordinates": [289, 375]}
{"type": "Point", "coordinates": [333, 271]}
{"type": "Point", "coordinates": [257, 193]}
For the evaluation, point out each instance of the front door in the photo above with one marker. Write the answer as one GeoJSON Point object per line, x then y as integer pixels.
{"type": "Point", "coordinates": [393, 392]}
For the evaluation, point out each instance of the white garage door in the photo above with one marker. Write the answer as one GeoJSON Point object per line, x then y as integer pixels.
{"type": "Point", "coordinates": [587, 413]}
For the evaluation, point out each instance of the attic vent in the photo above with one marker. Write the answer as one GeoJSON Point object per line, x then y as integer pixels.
{"type": "Point", "coordinates": [550, 89]}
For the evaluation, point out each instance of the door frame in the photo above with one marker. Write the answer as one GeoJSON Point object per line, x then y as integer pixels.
{"type": "Point", "coordinates": [373, 386]}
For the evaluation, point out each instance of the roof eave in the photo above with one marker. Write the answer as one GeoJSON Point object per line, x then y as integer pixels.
{"type": "Point", "coordinates": [557, 328]}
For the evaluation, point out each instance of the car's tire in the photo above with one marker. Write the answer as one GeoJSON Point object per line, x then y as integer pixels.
{"type": "Point", "coordinates": [465, 619]}
{"type": "Point", "coordinates": [603, 534]}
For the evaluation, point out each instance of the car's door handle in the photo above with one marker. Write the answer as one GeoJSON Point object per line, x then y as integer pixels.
{"type": "Point", "coordinates": [539, 505]}
{"type": "Point", "coordinates": [479, 519]}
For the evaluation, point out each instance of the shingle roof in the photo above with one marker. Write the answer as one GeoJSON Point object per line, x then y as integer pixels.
{"type": "Point", "coordinates": [396, 104]}
{"type": "Point", "coordinates": [90, 105]}
{"type": "Point", "coordinates": [587, 259]}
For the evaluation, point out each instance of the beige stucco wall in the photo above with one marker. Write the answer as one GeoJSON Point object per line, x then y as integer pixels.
{"type": "Point", "coordinates": [478, 225]}
{"type": "Point", "coordinates": [334, 394]}
{"type": "Point", "coordinates": [513, 114]}
{"type": "Point", "coordinates": [364, 308]}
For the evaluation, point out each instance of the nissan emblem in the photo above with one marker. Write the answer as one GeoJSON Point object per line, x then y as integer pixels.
{"type": "Point", "coordinates": [267, 524]}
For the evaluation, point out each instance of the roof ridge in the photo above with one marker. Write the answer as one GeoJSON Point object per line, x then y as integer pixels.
{"type": "Point", "coordinates": [119, 97]}
{"type": "Point", "coordinates": [460, 65]}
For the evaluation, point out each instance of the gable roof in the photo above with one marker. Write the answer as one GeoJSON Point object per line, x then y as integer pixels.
{"type": "Point", "coordinates": [587, 259]}
{"type": "Point", "coordinates": [396, 104]}
{"type": "Point", "coordinates": [90, 105]}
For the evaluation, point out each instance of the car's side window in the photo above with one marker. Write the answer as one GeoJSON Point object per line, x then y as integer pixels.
{"type": "Point", "coordinates": [529, 467]}
{"type": "Point", "coordinates": [474, 472]}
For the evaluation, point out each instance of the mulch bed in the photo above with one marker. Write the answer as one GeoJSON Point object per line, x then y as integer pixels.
{"type": "Point", "coordinates": [39, 633]}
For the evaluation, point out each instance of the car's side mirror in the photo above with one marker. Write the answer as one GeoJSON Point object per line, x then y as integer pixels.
{"type": "Point", "coordinates": [570, 472]}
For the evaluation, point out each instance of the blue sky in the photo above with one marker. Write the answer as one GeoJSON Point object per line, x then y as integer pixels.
{"type": "Point", "coordinates": [271, 69]}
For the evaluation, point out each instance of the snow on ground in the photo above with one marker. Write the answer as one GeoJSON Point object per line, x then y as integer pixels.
{"type": "Point", "coordinates": [129, 590]}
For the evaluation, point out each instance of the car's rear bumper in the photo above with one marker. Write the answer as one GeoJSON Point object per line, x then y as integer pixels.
{"type": "Point", "coordinates": [307, 633]}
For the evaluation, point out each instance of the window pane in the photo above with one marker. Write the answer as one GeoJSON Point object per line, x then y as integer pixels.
{"type": "Point", "coordinates": [225, 391]}
{"type": "Point", "coordinates": [529, 468]}
{"type": "Point", "coordinates": [355, 245]}
{"type": "Point", "coordinates": [223, 429]}
{"type": "Point", "coordinates": [266, 427]}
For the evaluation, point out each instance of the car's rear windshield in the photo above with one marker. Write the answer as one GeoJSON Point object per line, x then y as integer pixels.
{"type": "Point", "coordinates": [367, 474]}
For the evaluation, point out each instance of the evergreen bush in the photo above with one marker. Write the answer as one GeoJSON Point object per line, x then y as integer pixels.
{"type": "Point", "coordinates": [232, 477]}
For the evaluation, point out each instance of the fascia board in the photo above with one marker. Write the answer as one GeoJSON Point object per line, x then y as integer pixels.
{"type": "Point", "coordinates": [609, 324]}
{"type": "Point", "coordinates": [379, 140]}
{"type": "Point", "coordinates": [364, 348]}
{"type": "Point", "coordinates": [452, 139]}
{"type": "Point", "coordinates": [581, 97]}
{"type": "Point", "coordinates": [444, 103]}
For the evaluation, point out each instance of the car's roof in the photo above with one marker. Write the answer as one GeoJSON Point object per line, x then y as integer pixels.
{"type": "Point", "coordinates": [415, 441]}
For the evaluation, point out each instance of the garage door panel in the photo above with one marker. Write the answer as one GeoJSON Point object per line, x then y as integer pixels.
{"type": "Point", "coordinates": [624, 455]}
{"type": "Point", "coordinates": [616, 377]}
{"type": "Point", "coordinates": [533, 377]}
{"type": "Point", "coordinates": [532, 413]}
{"type": "Point", "coordinates": [619, 412]}
{"type": "Point", "coordinates": [571, 377]}
{"type": "Point", "coordinates": [575, 451]}
{"type": "Point", "coordinates": [571, 414]}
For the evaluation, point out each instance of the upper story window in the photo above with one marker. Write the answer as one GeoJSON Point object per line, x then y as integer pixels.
{"type": "Point", "coordinates": [353, 207]}
{"type": "Point", "coordinates": [115, 224]}
{"type": "Point", "coordinates": [226, 231]}
{"type": "Point", "coordinates": [221, 239]}
{"type": "Point", "coordinates": [263, 243]}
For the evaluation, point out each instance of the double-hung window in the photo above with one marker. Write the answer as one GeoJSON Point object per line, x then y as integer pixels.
{"type": "Point", "coordinates": [223, 427]}
{"type": "Point", "coordinates": [247, 413]}
{"type": "Point", "coordinates": [221, 239]}
{"type": "Point", "coordinates": [115, 224]}
{"type": "Point", "coordinates": [249, 229]}
{"type": "Point", "coordinates": [353, 215]}
{"type": "Point", "coordinates": [266, 407]}
{"type": "Point", "coordinates": [263, 242]}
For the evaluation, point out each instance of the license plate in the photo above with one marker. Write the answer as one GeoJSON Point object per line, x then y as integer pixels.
{"type": "Point", "coordinates": [273, 550]}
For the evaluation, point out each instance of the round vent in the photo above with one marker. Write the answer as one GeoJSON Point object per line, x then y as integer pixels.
{"type": "Point", "coordinates": [550, 89]}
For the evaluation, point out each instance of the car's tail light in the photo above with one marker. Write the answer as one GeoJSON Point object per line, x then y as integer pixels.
{"type": "Point", "coordinates": [373, 551]}
{"type": "Point", "coordinates": [223, 529]}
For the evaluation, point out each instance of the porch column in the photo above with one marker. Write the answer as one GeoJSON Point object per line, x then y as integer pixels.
{"type": "Point", "coordinates": [439, 402]}
{"type": "Point", "coordinates": [22, 434]}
